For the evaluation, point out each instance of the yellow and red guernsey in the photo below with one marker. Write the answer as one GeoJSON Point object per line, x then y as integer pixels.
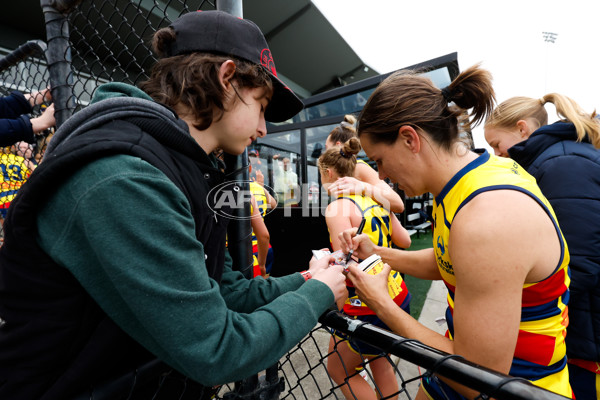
{"type": "Point", "coordinates": [379, 229]}
{"type": "Point", "coordinates": [540, 353]}
{"type": "Point", "coordinates": [14, 174]}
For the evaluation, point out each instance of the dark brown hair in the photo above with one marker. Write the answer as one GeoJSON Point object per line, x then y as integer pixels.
{"type": "Point", "coordinates": [192, 80]}
{"type": "Point", "coordinates": [408, 98]}
{"type": "Point", "coordinates": [342, 159]}
{"type": "Point", "coordinates": [344, 131]}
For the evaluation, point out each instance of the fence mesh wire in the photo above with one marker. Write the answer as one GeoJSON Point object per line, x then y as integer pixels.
{"type": "Point", "coordinates": [303, 373]}
{"type": "Point", "coordinates": [110, 41]}
{"type": "Point", "coordinates": [24, 70]}
{"type": "Point", "coordinates": [97, 25]}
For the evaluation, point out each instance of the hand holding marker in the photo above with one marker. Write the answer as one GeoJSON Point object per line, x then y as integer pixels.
{"type": "Point", "coordinates": [358, 232]}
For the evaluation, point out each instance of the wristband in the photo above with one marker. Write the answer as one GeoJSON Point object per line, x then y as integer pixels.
{"type": "Point", "coordinates": [306, 275]}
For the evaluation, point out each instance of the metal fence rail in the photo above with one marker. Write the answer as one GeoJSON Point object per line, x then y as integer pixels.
{"type": "Point", "coordinates": [303, 375]}
{"type": "Point", "coordinates": [80, 56]}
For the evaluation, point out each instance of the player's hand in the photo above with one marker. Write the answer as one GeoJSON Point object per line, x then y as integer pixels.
{"type": "Point", "coordinates": [37, 98]}
{"type": "Point", "coordinates": [363, 246]}
{"type": "Point", "coordinates": [347, 185]}
{"type": "Point", "coordinates": [372, 289]}
{"type": "Point", "coordinates": [260, 178]}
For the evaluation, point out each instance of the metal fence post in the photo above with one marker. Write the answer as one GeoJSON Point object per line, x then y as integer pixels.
{"type": "Point", "coordinates": [239, 231]}
{"type": "Point", "coordinates": [233, 7]}
{"type": "Point", "coordinates": [58, 56]}
{"type": "Point", "coordinates": [241, 248]}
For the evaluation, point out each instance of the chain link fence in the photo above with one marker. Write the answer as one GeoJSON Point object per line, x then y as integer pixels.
{"type": "Point", "coordinates": [25, 70]}
{"type": "Point", "coordinates": [93, 42]}
{"type": "Point", "coordinates": [97, 25]}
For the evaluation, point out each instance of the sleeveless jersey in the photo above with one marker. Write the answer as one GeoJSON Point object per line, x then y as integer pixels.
{"type": "Point", "coordinates": [540, 354]}
{"type": "Point", "coordinates": [259, 195]}
{"type": "Point", "coordinates": [379, 229]}
{"type": "Point", "coordinates": [14, 174]}
{"type": "Point", "coordinates": [261, 201]}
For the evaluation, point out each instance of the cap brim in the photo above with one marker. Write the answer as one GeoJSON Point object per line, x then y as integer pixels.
{"type": "Point", "coordinates": [284, 104]}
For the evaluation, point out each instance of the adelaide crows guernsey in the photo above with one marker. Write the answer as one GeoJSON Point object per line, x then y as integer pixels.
{"type": "Point", "coordinates": [261, 201]}
{"type": "Point", "coordinates": [540, 354]}
{"type": "Point", "coordinates": [14, 174]}
{"type": "Point", "coordinates": [379, 229]}
{"type": "Point", "coordinates": [259, 195]}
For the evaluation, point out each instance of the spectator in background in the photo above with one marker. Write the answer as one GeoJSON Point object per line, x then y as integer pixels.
{"type": "Point", "coordinates": [564, 159]}
{"type": "Point", "coordinates": [257, 175]}
{"type": "Point", "coordinates": [17, 131]}
{"type": "Point", "coordinates": [16, 125]}
{"type": "Point", "coordinates": [365, 180]}
{"type": "Point", "coordinates": [286, 181]}
{"type": "Point", "coordinates": [41, 146]}
{"type": "Point", "coordinates": [26, 150]}
{"type": "Point", "coordinates": [496, 243]}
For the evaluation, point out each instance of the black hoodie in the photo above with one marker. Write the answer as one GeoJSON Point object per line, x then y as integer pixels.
{"type": "Point", "coordinates": [568, 173]}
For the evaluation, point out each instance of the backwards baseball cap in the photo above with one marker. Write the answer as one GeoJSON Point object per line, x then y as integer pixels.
{"type": "Point", "coordinates": [220, 32]}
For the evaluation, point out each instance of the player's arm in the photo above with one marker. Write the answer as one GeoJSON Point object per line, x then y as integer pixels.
{"type": "Point", "coordinates": [338, 218]}
{"type": "Point", "coordinates": [271, 202]}
{"type": "Point", "coordinates": [262, 236]}
{"type": "Point", "coordinates": [400, 236]}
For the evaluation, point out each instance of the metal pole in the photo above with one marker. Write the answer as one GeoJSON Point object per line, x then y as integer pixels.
{"type": "Point", "coordinates": [58, 56]}
{"type": "Point", "coordinates": [239, 231]}
{"type": "Point", "coordinates": [233, 7]}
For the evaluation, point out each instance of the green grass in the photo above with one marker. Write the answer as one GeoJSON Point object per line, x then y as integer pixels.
{"type": "Point", "coordinates": [418, 288]}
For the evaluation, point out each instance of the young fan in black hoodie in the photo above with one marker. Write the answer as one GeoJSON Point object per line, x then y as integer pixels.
{"type": "Point", "coordinates": [114, 276]}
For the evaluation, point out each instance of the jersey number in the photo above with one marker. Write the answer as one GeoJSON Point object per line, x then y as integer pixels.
{"type": "Point", "coordinates": [376, 223]}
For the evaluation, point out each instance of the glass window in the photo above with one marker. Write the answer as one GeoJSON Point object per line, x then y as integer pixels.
{"type": "Point", "coordinates": [440, 77]}
{"type": "Point", "coordinates": [277, 157]}
{"type": "Point", "coordinates": [350, 104]}
{"type": "Point", "coordinates": [315, 146]}
{"type": "Point", "coordinates": [354, 102]}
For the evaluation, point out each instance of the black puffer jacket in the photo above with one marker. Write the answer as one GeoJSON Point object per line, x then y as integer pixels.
{"type": "Point", "coordinates": [568, 173]}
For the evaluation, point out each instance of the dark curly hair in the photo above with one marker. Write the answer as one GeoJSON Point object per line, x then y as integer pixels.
{"type": "Point", "coordinates": [192, 80]}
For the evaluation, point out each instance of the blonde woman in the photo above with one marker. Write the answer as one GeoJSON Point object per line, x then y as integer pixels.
{"type": "Point", "coordinates": [564, 159]}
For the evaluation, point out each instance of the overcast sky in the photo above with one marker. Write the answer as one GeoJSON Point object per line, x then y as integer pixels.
{"type": "Point", "coordinates": [504, 36]}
